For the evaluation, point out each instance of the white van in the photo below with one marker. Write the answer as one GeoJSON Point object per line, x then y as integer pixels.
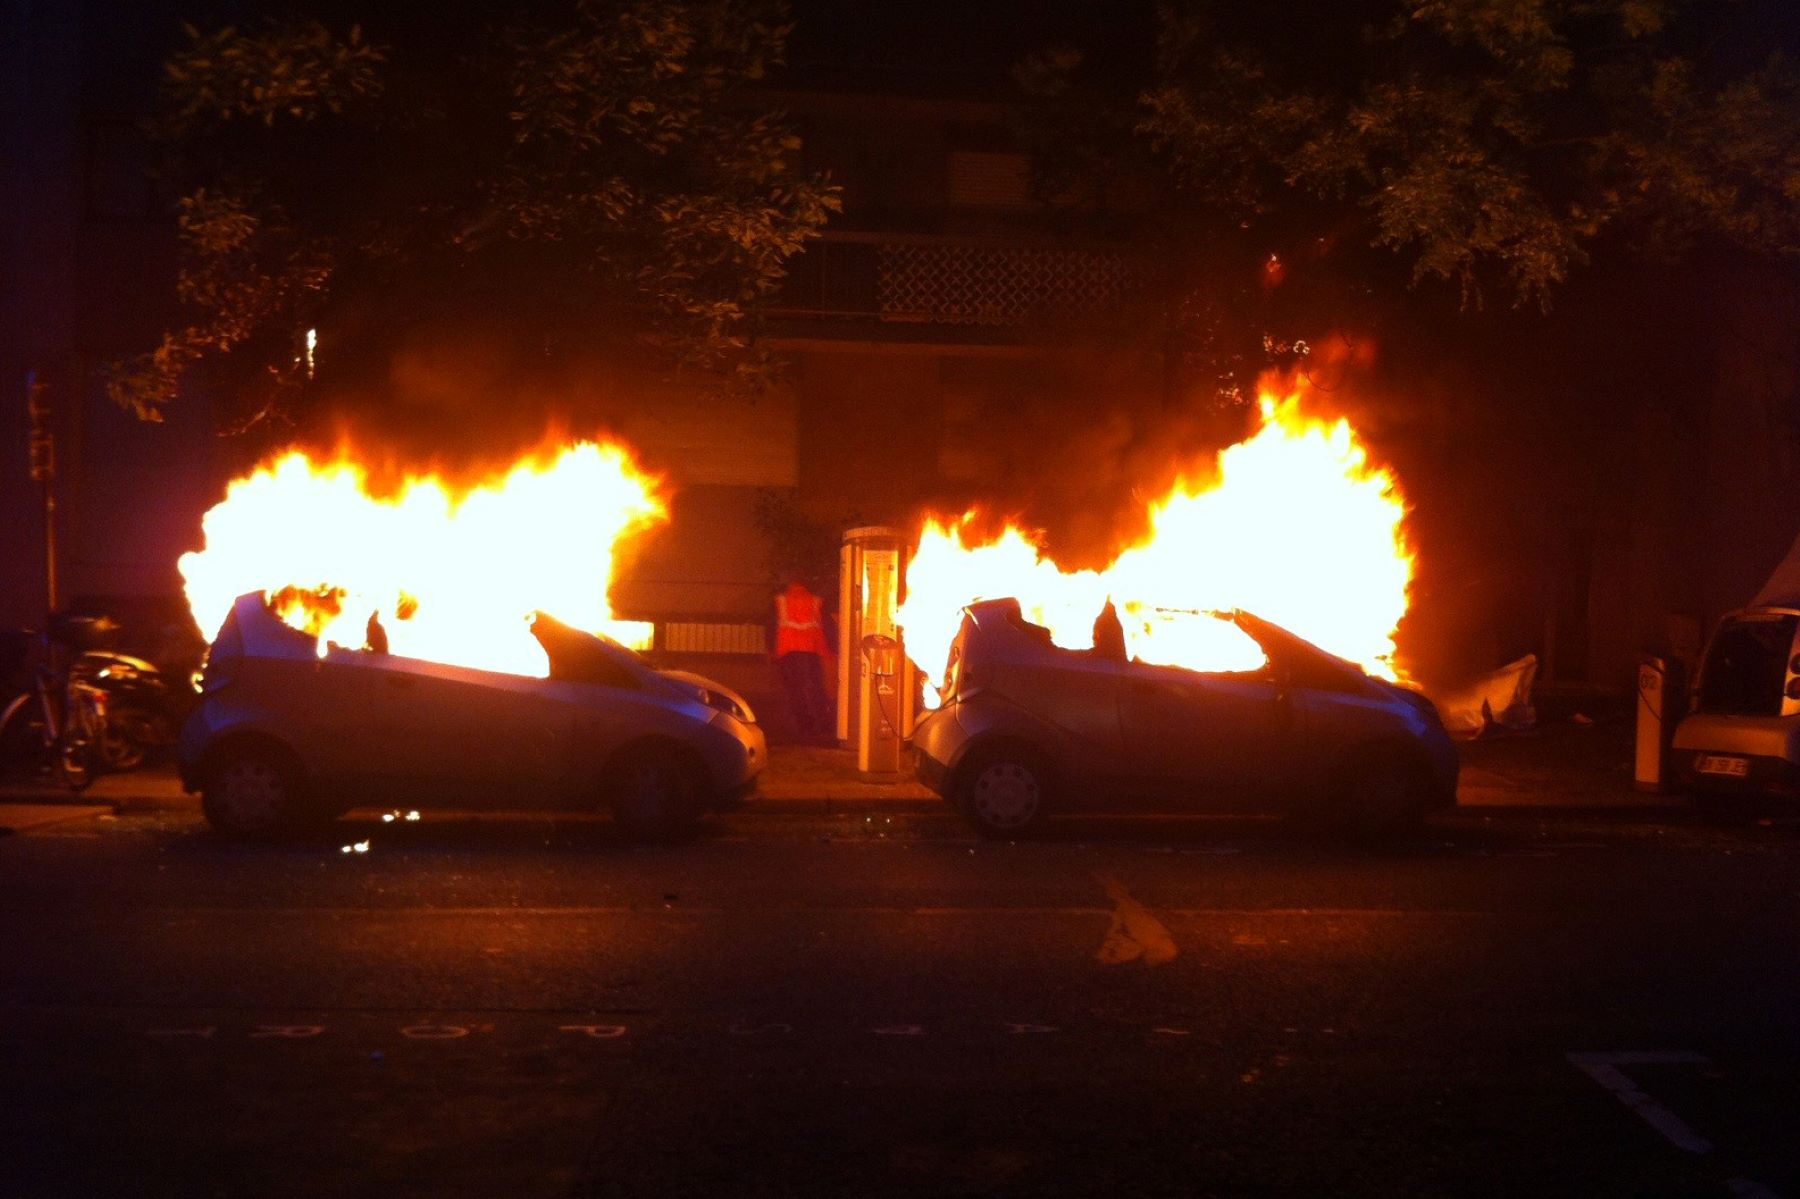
{"type": "Point", "coordinates": [1742, 735]}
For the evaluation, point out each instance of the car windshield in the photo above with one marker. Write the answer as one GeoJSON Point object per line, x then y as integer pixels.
{"type": "Point", "coordinates": [1747, 665]}
{"type": "Point", "coordinates": [577, 656]}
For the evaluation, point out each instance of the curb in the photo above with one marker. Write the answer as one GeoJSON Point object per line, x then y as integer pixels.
{"type": "Point", "coordinates": [839, 805]}
{"type": "Point", "coordinates": [18, 817]}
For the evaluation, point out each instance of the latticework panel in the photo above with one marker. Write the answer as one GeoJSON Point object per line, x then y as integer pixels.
{"type": "Point", "coordinates": [986, 285]}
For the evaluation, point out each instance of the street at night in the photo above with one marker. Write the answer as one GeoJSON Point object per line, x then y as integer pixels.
{"type": "Point", "coordinates": [878, 1003]}
{"type": "Point", "coordinates": [622, 599]}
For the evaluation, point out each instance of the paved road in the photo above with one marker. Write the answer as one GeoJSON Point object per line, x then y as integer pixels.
{"type": "Point", "coordinates": [884, 1006]}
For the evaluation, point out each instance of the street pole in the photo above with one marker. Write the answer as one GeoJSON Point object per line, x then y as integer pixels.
{"type": "Point", "coordinates": [43, 473]}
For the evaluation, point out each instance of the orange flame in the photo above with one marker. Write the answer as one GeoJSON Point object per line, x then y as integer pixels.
{"type": "Point", "coordinates": [1296, 526]}
{"type": "Point", "coordinates": [452, 575]}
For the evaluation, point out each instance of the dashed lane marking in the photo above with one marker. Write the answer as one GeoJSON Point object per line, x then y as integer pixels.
{"type": "Point", "coordinates": [1135, 935]}
{"type": "Point", "coordinates": [1605, 1069]}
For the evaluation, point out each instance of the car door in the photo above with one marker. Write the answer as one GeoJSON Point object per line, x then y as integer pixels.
{"type": "Point", "coordinates": [464, 734]}
{"type": "Point", "coordinates": [1213, 740]}
{"type": "Point", "coordinates": [1077, 694]}
{"type": "Point", "coordinates": [318, 704]}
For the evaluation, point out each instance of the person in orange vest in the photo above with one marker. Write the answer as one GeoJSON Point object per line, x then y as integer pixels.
{"type": "Point", "coordinates": [800, 649]}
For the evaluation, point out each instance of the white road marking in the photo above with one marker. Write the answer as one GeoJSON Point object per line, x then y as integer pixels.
{"type": "Point", "coordinates": [1135, 934]}
{"type": "Point", "coordinates": [295, 1032]}
{"type": "Point", "coordinates": [899, 1030]}
{"type": "Point", "coordinates": [1030, 1028]}
{"type": "Point", "coordinates": [1604, 1068]}
{"type": "Point", "coordinates": [434, 1032]}
{"type": "Point", "coordinates": [599, 1032]}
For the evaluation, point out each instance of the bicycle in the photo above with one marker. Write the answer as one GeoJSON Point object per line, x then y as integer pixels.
{"type": "Point", "coordinates": [58, 724]}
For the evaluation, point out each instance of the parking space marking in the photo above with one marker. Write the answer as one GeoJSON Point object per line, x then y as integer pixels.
{"type": "Point", "coordinates": [1605, 1069]}
{"type": "Point", "coordinates": [1134, 934]}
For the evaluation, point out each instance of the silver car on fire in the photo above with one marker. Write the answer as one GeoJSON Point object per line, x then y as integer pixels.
{"type": "Point", "coordinates": [1027, 730]}
{"type": "Point", "coordinates": [286, 736]}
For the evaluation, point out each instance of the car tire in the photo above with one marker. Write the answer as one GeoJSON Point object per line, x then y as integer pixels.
{"type": "Point", "coordinates": [1004, 791]}
{"type": "Point", "coordinates": [252, 792]}
{"type": "Point", "coordinates": [655, 794]}
{"type": "Point", "coordinates": [1379, 792]}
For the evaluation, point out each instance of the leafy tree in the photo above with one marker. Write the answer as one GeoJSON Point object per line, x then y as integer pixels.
{"type": "Point", "coordinates": [604, 163]}
{"type": "Point", "coordinates": [1483, 137]}
{"type": "Point", "coordinates": [1493, 144]}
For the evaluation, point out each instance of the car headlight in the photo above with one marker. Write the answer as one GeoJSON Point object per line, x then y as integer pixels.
{"type": "Point", "coordinates": [724, 703]}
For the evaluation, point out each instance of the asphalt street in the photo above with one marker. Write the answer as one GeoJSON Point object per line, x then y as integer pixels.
{"type": "Point", "coordinates": [883, 1005]}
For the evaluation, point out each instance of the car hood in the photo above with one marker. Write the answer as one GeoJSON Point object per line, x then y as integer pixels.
{"type": "Point", "coordinates": [696, 685]}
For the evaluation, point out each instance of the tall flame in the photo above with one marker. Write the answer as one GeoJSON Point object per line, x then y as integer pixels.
{"type": "Point", "coordinates": [1295, 526]}
{"type": "Point", "coordinates": [452, 575]}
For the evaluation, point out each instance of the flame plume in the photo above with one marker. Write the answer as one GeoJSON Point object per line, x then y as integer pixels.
{"type": "Point", "coordinates": [1296, 526]}
{"type": "Point", "coordinates": [452, 575]}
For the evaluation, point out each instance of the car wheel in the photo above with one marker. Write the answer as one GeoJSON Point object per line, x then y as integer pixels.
{"type": "Point", "coordinates": [1379, 792]}
{"type": "Point", "coordinates": [252, 792]}
{"type": "Point", "coordinates": [1004, 792]}
{"type": "Point", "coordinates": [655, 794]}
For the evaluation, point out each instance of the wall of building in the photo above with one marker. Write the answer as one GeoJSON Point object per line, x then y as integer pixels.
{"type": "Point", "coordinates": [40, 75]}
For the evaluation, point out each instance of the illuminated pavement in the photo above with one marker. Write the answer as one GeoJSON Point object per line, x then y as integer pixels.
{"type": "Point", "coordinates": [882, 1005]}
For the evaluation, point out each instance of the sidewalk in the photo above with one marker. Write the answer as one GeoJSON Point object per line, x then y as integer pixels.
{"type": "Point", "coordinates": [798, 779]}
{"type": "Point", "coordinates": [1561, 768]}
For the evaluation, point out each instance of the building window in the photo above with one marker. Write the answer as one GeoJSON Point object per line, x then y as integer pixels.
{"type": "Point", "coordinates": [980, 179]}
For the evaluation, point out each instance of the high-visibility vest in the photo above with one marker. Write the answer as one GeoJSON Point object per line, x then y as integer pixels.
{"type": "Point", "coordinates": [798, 629]}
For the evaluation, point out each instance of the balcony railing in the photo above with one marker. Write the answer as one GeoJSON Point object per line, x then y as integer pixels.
{"type": "Point", "coordinates": [949, 281]}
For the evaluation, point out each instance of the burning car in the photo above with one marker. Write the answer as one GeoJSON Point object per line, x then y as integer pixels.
{"type": "Point", "coordinates": [1028, 729]}
{"type": "Point", "coordinates": [1743, 735]}
{"type": "Point", "coordinates": [292, 730]}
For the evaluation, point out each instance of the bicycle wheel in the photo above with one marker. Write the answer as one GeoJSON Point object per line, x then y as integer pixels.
{"type": "Point", "coordinates": [22, 740]}
{"type": "Point", "coordinates": [80, 750]}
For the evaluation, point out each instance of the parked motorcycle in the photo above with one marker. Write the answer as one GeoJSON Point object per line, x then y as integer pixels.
{"type": "Point", "coordinates": [143, 707]}
{"type": "Point", "coordinates": [144, 710]}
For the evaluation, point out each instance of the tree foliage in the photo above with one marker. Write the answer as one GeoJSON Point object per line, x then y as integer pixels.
{"type": "Point", "coordinates": [605, 161]}
{"type": "Point", "coordinates": [1484, 139]}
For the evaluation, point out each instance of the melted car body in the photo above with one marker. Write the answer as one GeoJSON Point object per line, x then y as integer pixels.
{"type": "Point", "coordinates": [1098, 731]}
{"type": "Point", "coordinates": [335, 728]}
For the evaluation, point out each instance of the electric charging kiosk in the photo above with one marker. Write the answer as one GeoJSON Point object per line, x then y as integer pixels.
{"type": "Point", "coordinates": [1661, 703]}
{"type": "Point", "coordinates": [877, 685]}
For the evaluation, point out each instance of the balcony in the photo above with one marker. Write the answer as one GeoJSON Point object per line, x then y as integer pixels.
{"type": "Point", "coordinates": [957, 283]}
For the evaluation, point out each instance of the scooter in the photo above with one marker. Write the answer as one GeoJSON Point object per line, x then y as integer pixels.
{"type": "Point", "coordinates": [143, 710]}
{"type": "Point", "coordinates": [144, 706]}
